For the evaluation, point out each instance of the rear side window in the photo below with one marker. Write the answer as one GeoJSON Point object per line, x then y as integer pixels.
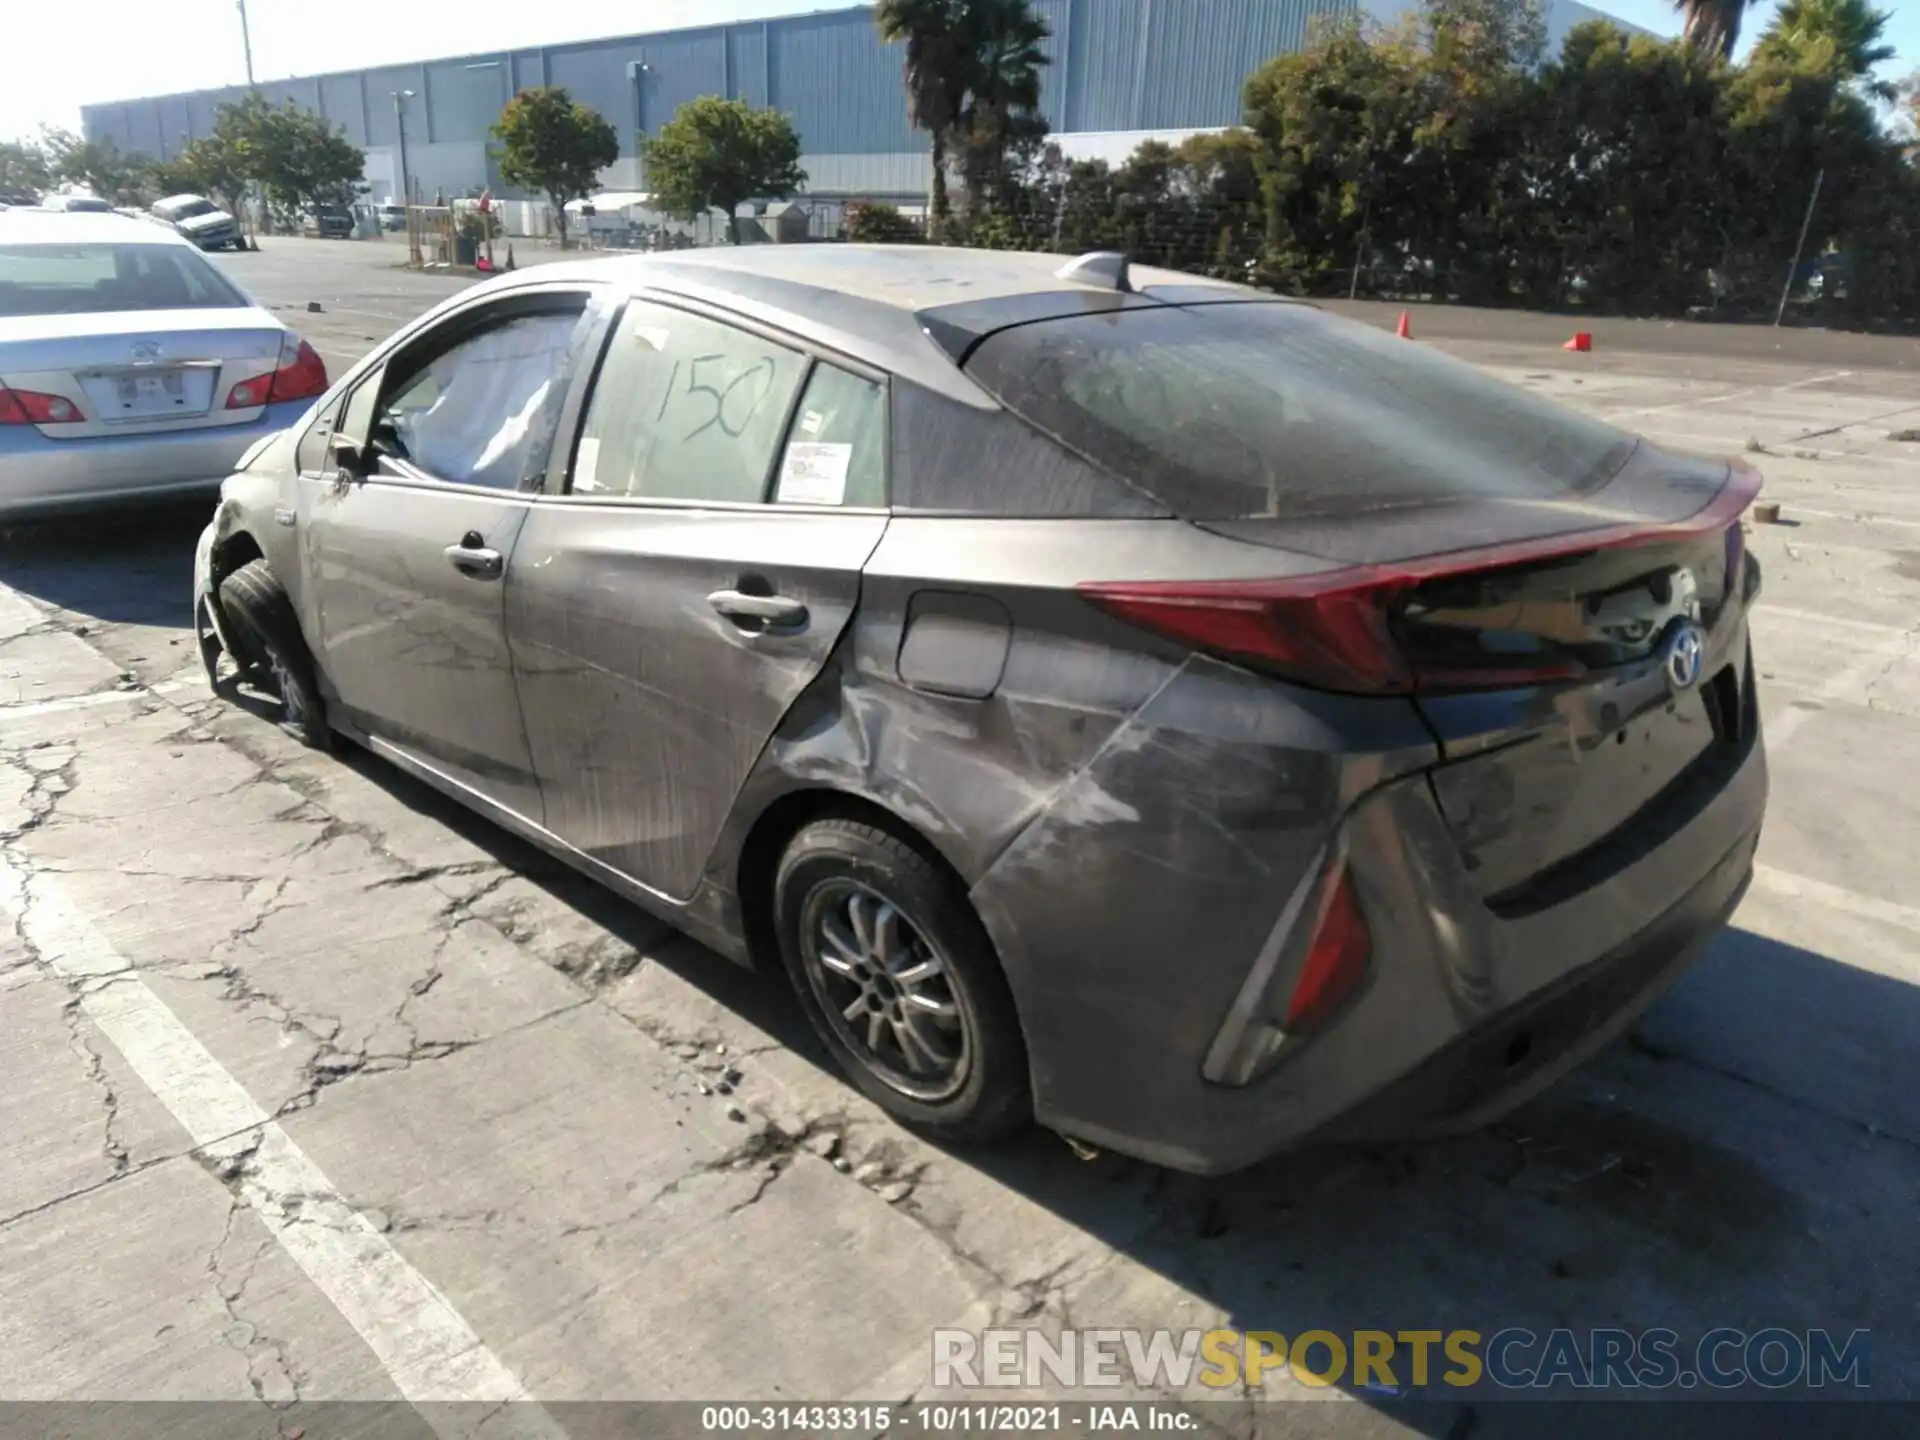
{"type": "Point", "coordinates": [100, 279]}
{"type": "Point", "coordinates": [836, 450]}
{"type": "Point", "coordinates": [1268, 409]}
{"type": "Point", "coordinates": [685, 408]}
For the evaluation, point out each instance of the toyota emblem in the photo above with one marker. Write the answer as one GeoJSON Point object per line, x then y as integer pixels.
{"type": "Point", "coordinates": [145, 352]}
{"type": "Point", "coordinates": [1683, 655]}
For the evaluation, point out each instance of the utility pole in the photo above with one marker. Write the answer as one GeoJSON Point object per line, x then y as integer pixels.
{"type": "Point", "coordinates": [400, 98]}
{"type": "Point", "coordinates": [246, 44]}
{"type": "Point", "coordinates": [1800, 245]}
{"type": "Point", "coordinates": [246, 39]}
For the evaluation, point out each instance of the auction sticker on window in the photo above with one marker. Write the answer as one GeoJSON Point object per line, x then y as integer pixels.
{"type": "Point", "coordinates": [814, 473]}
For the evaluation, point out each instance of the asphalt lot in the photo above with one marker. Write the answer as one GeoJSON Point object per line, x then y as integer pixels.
{"type": "Point", "coordinates": [313, 1088]}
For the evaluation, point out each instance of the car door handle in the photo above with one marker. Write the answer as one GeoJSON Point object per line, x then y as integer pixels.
{"type": "Point", "coordinates": [776, 611]}
{"type": "Point", "coordinates": [475, 560]}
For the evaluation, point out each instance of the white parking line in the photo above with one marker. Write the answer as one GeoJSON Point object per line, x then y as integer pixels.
{"type": "Point", "coordinates": [432, 1354]}
{"type": "Point", "coordinates": [27, 709]}
{"type": "Point", "coordinates": [1801, 887]}
{"type": "Point", "coordinates": [1730, 395]}
{"type": "Point", "coordinates": [1837, 622]}
{"type": "Point", "coordinates": [1849, 686]}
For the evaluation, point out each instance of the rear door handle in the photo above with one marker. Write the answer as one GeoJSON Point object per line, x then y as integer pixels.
{"type": "Point", "coordinates": [775, 611]}
{"type": "Point", "coordinates": [474, 559]}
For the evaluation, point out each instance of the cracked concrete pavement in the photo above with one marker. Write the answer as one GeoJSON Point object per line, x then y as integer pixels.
{"type": "Point", "coordinates": [314, 1088]}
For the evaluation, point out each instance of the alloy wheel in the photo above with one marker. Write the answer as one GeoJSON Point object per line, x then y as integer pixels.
{"type": "Point", "coordinates": [889, 994]}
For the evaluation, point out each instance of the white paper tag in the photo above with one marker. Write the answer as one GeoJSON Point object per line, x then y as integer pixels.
{"type": "Point", "coordinates": [586, 460]}
{"type": "Point", "coordinates": [814, 473]}
{"type": "Point", "coordinates": [811, 422]}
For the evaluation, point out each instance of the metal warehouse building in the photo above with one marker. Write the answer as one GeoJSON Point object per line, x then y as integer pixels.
{"type": "Point", "coordinates": [1122, 69]}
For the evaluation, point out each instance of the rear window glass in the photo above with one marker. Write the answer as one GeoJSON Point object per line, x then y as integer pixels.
{"type": "Point", "coordinates": [98, 279]}
{"type": "Point", "coordinates": [188, 209]}
{"type": "Point", "coordinates": [1237, 411]}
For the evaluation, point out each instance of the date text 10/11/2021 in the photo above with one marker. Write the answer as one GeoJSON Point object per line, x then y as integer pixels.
{"type": "Point", "coordinates": [954, 1419]}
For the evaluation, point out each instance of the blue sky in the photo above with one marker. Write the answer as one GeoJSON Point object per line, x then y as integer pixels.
{"type": "Point", "coordinates": [57, 58]}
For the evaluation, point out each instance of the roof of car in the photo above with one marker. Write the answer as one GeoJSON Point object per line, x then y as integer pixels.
{"type": "Point", "coordinates": [910, 277]}
{"type": "Point", "coordinates": [81, 227]}
{"type": "Point", "coordinates": [894, 306]}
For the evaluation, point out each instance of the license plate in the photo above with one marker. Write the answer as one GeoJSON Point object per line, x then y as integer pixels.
{"type": "Point", "coordinates": [151, 394]}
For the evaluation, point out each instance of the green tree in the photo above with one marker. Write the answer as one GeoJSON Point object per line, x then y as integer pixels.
{"type": "Point", "coordinates": [874, 222]}
{"type": "Point", "coordinates": [208, 166]}
{"type": "Point", "coordinates": [1791, 123]}
{"type": "Point", "coordinates": [297, 156]}
{"type": "Point", "coordinates": [1000, 116]}
{"type": "Point", "coordinates": [24, 170]}
{"type": "Point", "coordinates": [1339, 128]}
{"type": "Point", "coordinates": [1712, 27]}
{"type": "Point", "coordinates": [1843, 38]}
{"type": "Point", "coordinates": [98, 164]}
{"type": "Point", "coordinates": [1626, 154]}
{"type": "Point", "coordinates": [552, 144]}
{"type": "Point", "coordinates": [718, 153]}
{"type": "Point", "coordinates": [936, 74]}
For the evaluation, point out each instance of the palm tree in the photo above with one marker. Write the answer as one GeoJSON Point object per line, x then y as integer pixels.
{"type": "Point", "coordinates": [1003, 40]}
{"type": "Point", "coordinates": [1841, 37]}
{"type": "Point", "coordinates": [1712, 27]}
{"type": "Point", "coordinates": [936, 75]}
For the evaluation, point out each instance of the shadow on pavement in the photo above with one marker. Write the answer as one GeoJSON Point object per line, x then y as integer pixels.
{"type": "Point", "coordinates": [131, 567]}
{"type": "Point", "coordinates": [1604, 1203]}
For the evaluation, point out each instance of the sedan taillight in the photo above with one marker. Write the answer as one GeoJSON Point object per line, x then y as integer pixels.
{"type": "Point", "coordinates": [301, 375]}
{"type": "Point", "coordinates": [30, 407]}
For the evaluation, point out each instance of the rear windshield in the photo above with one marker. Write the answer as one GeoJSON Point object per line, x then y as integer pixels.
{"type": "Point", "coordinates": [95, 279]}
{"type": "Point", "coordinates": [1265, 409]}
{"type": "Point", "coordinates": [192, 209]}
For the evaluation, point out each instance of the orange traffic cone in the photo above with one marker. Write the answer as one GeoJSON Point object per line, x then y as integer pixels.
{"type": "Point", "coordinates": [1403, 330]}
{"type": "Point", "coordinates": [1581, 341]}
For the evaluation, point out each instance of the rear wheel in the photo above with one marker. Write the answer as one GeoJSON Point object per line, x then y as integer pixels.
{"type": "Point", "coordinates": [269, 631]}
{"type": "Point", "coordinates": [901, 982]}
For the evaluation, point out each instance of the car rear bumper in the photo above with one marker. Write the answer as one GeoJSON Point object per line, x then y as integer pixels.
{"type": "Point", "coordinates": [1126, 948]}
{"type": "Point", "coordinates": [43, 477]}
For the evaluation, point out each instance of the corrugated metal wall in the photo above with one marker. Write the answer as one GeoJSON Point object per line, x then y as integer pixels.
{"type": "Point", "coordinates": [1118, 65]}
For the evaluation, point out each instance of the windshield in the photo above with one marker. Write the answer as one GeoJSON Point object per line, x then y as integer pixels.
{"type": "Point", "coordinates": [193, 208]}
{"type": "Point", "coordinates": [1236, 411]}
{"type": "Point", "coordinates": [99, 279]}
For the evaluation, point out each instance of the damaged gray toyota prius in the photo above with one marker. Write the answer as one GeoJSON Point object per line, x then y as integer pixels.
{"type": "Point", "coordinates": [1147, 705]}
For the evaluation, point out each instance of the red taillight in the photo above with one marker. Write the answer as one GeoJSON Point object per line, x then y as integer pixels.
{"type": "Point", "coordinates": [30, 407]}
{"type": "Point", "coordinates": [301, 376]}
{"type": "Point", "coordinates": [1331, 628]}
{"type": "Point", "coordinates": [1336, 959]}
{"type": "Point", "coordinates": [1334, 638]}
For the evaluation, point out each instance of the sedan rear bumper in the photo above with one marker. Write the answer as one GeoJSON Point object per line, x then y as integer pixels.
{"type": "Point", "coordinates": [43, 477]}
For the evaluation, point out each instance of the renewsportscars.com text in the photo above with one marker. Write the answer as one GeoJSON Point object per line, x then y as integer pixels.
{"type": "Point", "coordinates": [1771, 1359]}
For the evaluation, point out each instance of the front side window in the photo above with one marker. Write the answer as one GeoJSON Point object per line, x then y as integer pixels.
{"type": "Point", "coordinates": [101, 279]}
{"type": "Point", "coordinates": [469, 414]}
{"type": "Point", "coordinates": [685, 408]}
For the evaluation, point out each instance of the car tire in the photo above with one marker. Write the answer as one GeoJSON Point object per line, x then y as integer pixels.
{"type": "Point", "coordinates": [262, 615]}
{"type": "Point", "coordinates": [987, 1095]}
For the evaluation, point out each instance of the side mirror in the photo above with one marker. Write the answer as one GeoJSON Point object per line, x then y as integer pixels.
{"type": "Point", "coordinates": [348, 461]}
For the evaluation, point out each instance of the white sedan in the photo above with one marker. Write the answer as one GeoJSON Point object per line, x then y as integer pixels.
{"type": "Point", "coordinates": [130, 367]}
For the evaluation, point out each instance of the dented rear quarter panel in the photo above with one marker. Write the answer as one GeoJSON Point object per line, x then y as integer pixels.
{"type": "Point", "coordinates": [1128, 818]}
